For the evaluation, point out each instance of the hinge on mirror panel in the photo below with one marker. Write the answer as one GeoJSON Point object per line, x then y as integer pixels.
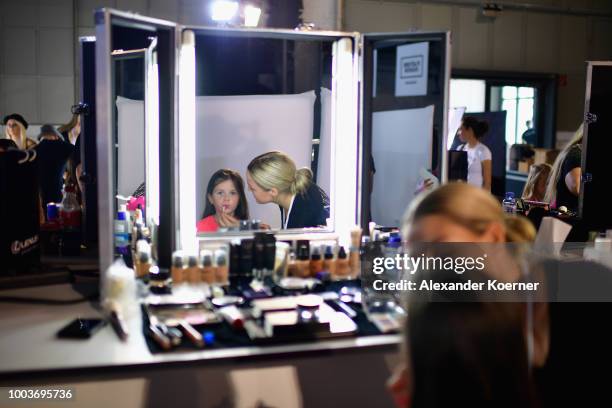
{"type": "Point", "coordinates": [306, 26]}
{"type": "Point", "coordinates": [587, 177]}
{"type": "Point", "coordinates": [590, 118]}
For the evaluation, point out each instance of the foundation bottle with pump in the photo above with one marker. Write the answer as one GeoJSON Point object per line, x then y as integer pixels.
{"type": "Point", "coordinates": [329, 263]}
{"type": "Point", "coordinates": [316, 263]}
{"type": "Point", "coordinates": [303, 262]}
{"type": "Point", "coordinates": [208, 270]}
{"type": "Point", "coordinates": [177, 271]}
{"type": "Point", "coordinates": [343, 268]}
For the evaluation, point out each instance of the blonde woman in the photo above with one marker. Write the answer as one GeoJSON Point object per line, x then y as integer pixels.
{"type": "Point", "coordinates": [15, 129]}
{"type": "Point", "coordinates": [564, 183]}
{"type": "Point", "coordinates": [457, 345]}
{"type": "Point", "coordinates": [537, 180]}
{"type": "Point", "coordinates": [273, 178]}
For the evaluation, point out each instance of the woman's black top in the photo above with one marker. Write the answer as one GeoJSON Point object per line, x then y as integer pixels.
{"type": "Point", "coordinates": [310, 209]}
{"type": "Point", "coordinates": [564, 196]}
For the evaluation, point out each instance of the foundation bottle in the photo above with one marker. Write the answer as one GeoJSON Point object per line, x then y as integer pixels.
{"type": "Point", "coordinates": [222, 269]}
{"type": "Point", "coordinates": [192, 273]}
{"type": "Point", "coordinates": [177, 271]}
{"type": "Point", "coordinates": [316, 263]}
{"type": "Point", "coordinates": [354, 252]}
{"type": "Point", "coordinates": [292, 268]}
{"type": "Point", "coordinates": [329, 263]}
{"type": "Point", "coordinates": [342, 266]}
{"type": "Point", "coordinates": [207, 270]}
{"type": "Point", "coordinates": [303, 262]}
{"type": "Point", "coordinates": [142, 262]}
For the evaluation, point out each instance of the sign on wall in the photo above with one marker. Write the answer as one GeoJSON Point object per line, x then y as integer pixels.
{"type": "Point", "coordinates": [411, 69]}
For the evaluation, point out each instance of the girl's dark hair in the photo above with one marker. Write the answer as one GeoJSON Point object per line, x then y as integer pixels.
{"type": "Point", "coordinates": [242, 211]}
{"type": "Point", "coordinates": [479, 127]}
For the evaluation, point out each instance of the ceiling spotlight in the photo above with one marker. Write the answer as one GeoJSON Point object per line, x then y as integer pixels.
{"type": "Point", "coordinates": [251, 16]}
{"type": "Point", "coordinates": [224, 10]}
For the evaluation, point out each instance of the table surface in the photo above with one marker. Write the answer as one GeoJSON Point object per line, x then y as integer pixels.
{"type": "Point", "coordinates": [28, 343]}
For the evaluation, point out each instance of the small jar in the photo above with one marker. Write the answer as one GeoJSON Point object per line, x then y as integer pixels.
{"type": "Point", "coordinates": [159, 281]}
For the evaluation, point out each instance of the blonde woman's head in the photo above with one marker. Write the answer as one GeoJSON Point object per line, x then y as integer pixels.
{"type": "Point", "coordinates": [551, 189]}
{"type": "Point", "coordinates": [16, 131]}
{"type": "Point", "coordinates": [274, 173]}
{"type": "Point", "coordinates": [537, 180]}
{"type": "Point", "coordinates": [460, 212]}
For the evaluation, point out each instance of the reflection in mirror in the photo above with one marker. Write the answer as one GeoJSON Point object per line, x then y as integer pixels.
{"type": "Point", "coordinates": [404, 120]}
{"type": "Point", "coordinates": [129, 76]}
{"type": "Point", "coordinates": [135, 135]}
{"type": "Point", "coordinates": [263, 132]}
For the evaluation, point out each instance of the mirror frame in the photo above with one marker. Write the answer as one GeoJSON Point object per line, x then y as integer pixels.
{"type": "Point", "coordinates": [105, 20]}
{"type": "Point", "coordinates": [365, 108]}
{"type": "Point", "coordinates": [345, 117]}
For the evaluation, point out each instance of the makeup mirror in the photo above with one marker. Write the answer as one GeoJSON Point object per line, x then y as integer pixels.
{"type": "Point", "coordinates": [250, 92]}
{"type": "Point", "coordinates": [404, 111]}
{"type": "Point", "coordinates": [135, 66]}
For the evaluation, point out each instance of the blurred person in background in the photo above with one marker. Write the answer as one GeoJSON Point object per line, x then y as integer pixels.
{"type": "Point", "coordinates": [71, 131]}
{"type": "Point", "coordinates": [15, 129]}
{"type": "Point", "coordinates": [53, 153]}
{"type": "Point", "coordinates": [537, 180]}
{"type": "Point", "coordinates": [480, 167]}
{"type": "Point", "coordinates": [563, 186]}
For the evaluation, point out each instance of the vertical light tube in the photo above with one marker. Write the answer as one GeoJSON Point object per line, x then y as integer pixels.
{"type": "Point", "coordinates": [152, 139]}
{"type": "Point", "coordinates": [187, 144]}
{"type": "Point", "coordinates": [345, 139]}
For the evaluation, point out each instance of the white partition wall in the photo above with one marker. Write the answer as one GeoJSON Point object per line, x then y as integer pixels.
{"type": "Point", "coordinates": [401, 146]}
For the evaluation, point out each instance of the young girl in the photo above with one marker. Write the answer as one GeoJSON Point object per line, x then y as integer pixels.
{"type": "Point", "coordinates": [226, 203]}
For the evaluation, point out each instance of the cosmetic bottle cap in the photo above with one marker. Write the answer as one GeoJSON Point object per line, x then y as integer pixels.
{"type": "Point", "coordinates": [302, 253]}
{"type": "Point", "coordinates": [315, 256]}
{"type": "Point", "coordinates": [209, 338]}
{"type": "Point", "coordinates": [329, 252]}
{"type": "Point", "coordinates": [206, 257]}
{"type": "Point", "coordinates": [221, 257]}
{"type": "Point", "coordinates": [144, 257]}
{"type": "Point", "coordinates": [177, 259]}
{"type": "Point", "coordinates": [192, 261]}
{"type": "Point", "coordinates": [341, 253]}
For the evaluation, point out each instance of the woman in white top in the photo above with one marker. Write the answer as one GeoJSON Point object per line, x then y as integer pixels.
{"type": "Point", "coordinates": [479, 155]}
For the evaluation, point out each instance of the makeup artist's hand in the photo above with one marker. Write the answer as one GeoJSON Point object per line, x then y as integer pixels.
{"type": "Point", "coordinates": [226, 220]}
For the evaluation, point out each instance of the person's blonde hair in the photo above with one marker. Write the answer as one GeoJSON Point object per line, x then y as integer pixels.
{"type": "Point", "coordinates": [470, 207]}
{"type": "Point", "coordinates": [551, 189]}
{"type": "Point", "coordinates": [22, 143]}
{"type": "Point", "coordinates": [67, 127]}
{"type": "Point", "coordinates": [536, 172]}
{"type": "Point", "coordinates": [277, 170]}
